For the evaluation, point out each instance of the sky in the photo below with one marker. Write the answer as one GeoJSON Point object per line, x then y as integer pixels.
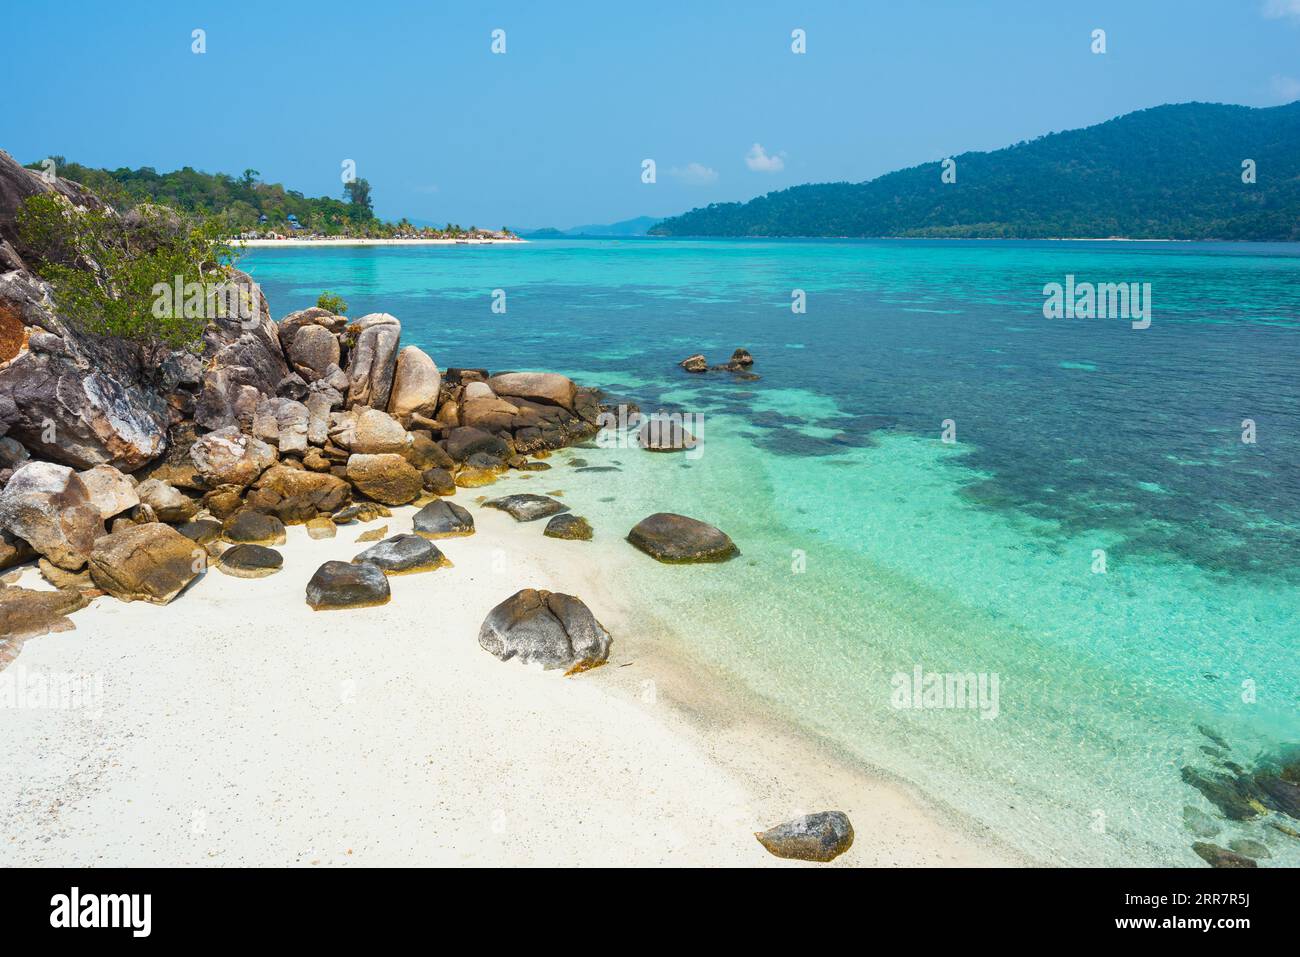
{"type": "Point", "coordinates": [554, 131]}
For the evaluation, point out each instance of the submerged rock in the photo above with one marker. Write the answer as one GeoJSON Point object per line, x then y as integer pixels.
{"type": "Point", "coordinates": [345, 585]}
{"type": "Point", "coordinates": [551, 629]}
{"type": "Point", "coordinates": [443, 519]}
{"type": "Point", "coordinates": [821, 837]}
{"type": "Point", "coordinates": [527, 507]}
{"type": "Point", "coordinates": [150, 563]}
{"type": "Point", "coordinates": [1217, 856]}
{"type": "Point", "coordinates": [677, 539]}
{"type": "Point", "coordinates": [250, 561]}
{"type": "Point", "coordinates": [665, 435]}
{"type": "Point", "coordinates": [404, 553]}
{"type": "Point", "coordinates": [568, 526]}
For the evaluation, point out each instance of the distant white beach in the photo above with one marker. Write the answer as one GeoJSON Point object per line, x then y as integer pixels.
{"type": "Point", "coordinates": [276, 243]}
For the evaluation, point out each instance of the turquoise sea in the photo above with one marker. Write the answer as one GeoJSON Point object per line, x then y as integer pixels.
{"type": "Point", "coordinates": [871, 547]}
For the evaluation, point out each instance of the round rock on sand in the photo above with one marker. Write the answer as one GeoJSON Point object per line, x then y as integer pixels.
{"type": "Point", "coordinates": [677, 539]}
{"type": "Point", "coordinates": [551, 629]}
{"type": "Point", "coordinates": [821, 837]}
{"type": "Point", "coordinates": [443, 519]}
{"type": "Point", "coordinates": [250, 561]}
{"type": "Point", "coordinates": [347, 585]}
{"type": "Point", "coordinates": [568, 526]}
{"type": "Point", "coordinates": [253, 528]}
{"type": "Point", "coordinates": [404, 553]}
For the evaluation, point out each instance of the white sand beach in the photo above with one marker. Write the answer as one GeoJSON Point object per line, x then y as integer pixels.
{"type": "Point", "coordinates": [238, 727]}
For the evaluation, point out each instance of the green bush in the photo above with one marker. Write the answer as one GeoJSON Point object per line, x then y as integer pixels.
{"type": "Point", "coordinates": [332, 304]}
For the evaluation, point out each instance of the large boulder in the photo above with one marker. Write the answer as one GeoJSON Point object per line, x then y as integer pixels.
{"type": "Point", "coordinates": [49, 507]}
{"type": "Point", "coordinates": [347, 585]}
{"type": "Point", "coordinates": [526, 507]}
{"type": "Point", "coordinates": [291, 324]}
{"type": "Point", "coordinates": [250, 561]}
{"type": "Point", "coordinates": [554, 630]}
{"type": "Point", "coordinates": [386, 478]}
{"type": "Point", "coordinates": [676, 539]}
{"type": "Point", "coordinates": [229, 457]}
{"type": "Point", "coordinates": [110, 490]}
{"type": "Point", "coordinates": [404, 553]}
{"type": "Point", "coordinates": [548, 387]}
{"type": "Point", "coordinates": [821, 837]}
{"type": "Point", "coordinates": [416, 384]}
{"type": "Point", "coordinates": [313, 351]}
{"type": "Point", "coordinates": [372, 359]}
{"type": "Point", "coordinates": [443, 519]}
{"type": "Point", "coordinates": [150, 563]}
{"type": "Point", "coordinates": [375, 432]}
{"type": "Point", "coordinates": [253, 528]}
{"type": "Point", "coordinates": [323, 492]}
{"type": "Point", "coordinates": [463, 442]}
{"type": "Point", "coordinates": [17, 184]}
{"type": "Point", "coordinates": [568, 526]}
{"type": "Point", "coordinates": [489, 413]}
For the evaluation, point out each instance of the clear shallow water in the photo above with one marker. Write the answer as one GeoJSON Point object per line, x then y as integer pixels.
{"type": "Point", "coordinates": [1073, 435]}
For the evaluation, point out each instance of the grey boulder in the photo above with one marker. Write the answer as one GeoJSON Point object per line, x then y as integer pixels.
{"type": "Point", "coordinates": [547, 628]}
{"type": "Point", "coordinates": [527, 507]}
{"type": "Point", "coordinates": [404, 553]}
{"type": "Point", "coordinates": [443, 519]}
{"type": "Point", "coordinates": [821, 837]}
{"type": "Point", "coordinates": [347, 585]}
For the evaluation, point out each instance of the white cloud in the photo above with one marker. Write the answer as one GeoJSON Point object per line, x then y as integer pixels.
{"type": "Point", "coordinates": [1286, 88]}
{"type": "Point", "coordinates": [1282, 9]}
{"type": "Point", "coordinates": [694, 174]}
{"type": "Point", "coordinates": [758, 160]}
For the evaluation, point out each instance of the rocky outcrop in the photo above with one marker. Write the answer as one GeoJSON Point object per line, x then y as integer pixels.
{"type": "Point", "coordinates": [404, 553]}
{"type": "Point", "coordinates": [546, 628]}
{"type": "Point", "coordinates": [443, 519]}
{"type": "Point", "coordinates": [297, 492]}
{"type": "Point", "coordinates": [676, 539]}
{"type": "Point", "coordinates": [417, 384]}
{"type": "Point", "coordinates": [150, 563]}
{"type": "Point", "coordinates": [347, 585]}
{"type": "Point", "coordinates": [527, 507]}
{"type": "Point", "coordinates": [50, 508]}
{"type": "Point", "coordinates": [820, 837]}
{"type": "Point", "coordinates": [695, 363]}
{"type": "Point", "coordinates": [665, 435]}
{"type": "Point", "coordinates": [372, 359]}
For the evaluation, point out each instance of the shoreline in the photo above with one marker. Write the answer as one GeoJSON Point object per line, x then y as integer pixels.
{"type": "Point", "coordinates": [301, 243]}
{"type": "Point", "coordinates": [239, 727]}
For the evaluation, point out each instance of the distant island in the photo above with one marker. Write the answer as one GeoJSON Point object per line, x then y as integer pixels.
{"type": "Point", "coordinates": [247, 208]}
{"type": "Point", "coordinates": [625, 228]}
{"type": "Point", "coordinates": [1186, 171]}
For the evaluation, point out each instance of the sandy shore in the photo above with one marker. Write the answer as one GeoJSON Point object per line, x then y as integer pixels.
{"type": "Point", "coordinates": [238, 727]}
{"type": "Point", "coordinates": [275, 243]}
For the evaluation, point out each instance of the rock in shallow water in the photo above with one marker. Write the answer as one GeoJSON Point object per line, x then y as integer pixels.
{"type": "Point", "coordinates": [404, 553]}
{"type": "Point", "coordinates": [1217, 856]}
{"type": "Point", "coordinates": [554, 630]}
{"type": "Point", "coordinates": [443, 519]}
{"type": "Point", "coordinates": [821, 837]}
{"type": "Point", "coordinates": [250, 561]}
{"type": "Point", "coordinates": [345, 585]}
{"type": "Point", "coordinates": [527, 507]}
{"type": "Point", "coordinates": [568, 526]}
{"type": "Point", "coordinates": [677, 539]}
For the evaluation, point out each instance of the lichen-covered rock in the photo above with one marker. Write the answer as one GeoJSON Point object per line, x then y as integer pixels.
{"type": "Point", "coordinates": [438, 481]}
{"type": "Point", "coordinates": [677, 539]}
{"type": "Point", "coordinates": [548, 628]}
{"type": "Point", "coordinates": [50, 508]}
{"type": "Point", "coordinates": [150, 563]}
{"type": "Point", "coordinates": [386, 478]}
{"type": "Point", "coordinates": [321, 491]}
{"type": "Point", "coordinates": [475, 478]}
{"type": "Point", "coordinates": [416, 384]}
{"type": "Point", "coordinates": [253, 528]}
{"type": "Point", "coordinates": [228, 457]}
{"type": "Point", "coordinates": [443, 519]}
{"type": "Point", "coordinates": [345, 585]}
{"type": "Point", "coordinates": [372, 359]}
{"type": "Point", "coordinates": [321, 527]}
{"type": "Point", "coordinates": [820, 837]}
{"type": "Point", "coordinates": [404, 553]}
{"type": "Point", "coordinates": [570, 527]}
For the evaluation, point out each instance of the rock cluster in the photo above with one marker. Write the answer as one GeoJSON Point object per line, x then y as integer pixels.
{"type": "Point", "coordinates": [739, 364]}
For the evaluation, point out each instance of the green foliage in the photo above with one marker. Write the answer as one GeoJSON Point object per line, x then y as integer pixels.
{"type": "Point", "coordinates": [358, 192]}
{"type": "Point", "coordinates": [1168, 172]}
{"type": "Point", "coordinates": [332, 304]}
{"type": "Point", "coordinates": [108, 275]}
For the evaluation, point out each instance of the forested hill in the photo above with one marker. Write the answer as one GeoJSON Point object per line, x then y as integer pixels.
{"type": "Point", "coordinates": [1167, 172]}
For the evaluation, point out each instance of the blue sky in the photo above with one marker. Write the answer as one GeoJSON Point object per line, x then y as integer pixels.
{"type": "Point", "coordinates": [554, 131]}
